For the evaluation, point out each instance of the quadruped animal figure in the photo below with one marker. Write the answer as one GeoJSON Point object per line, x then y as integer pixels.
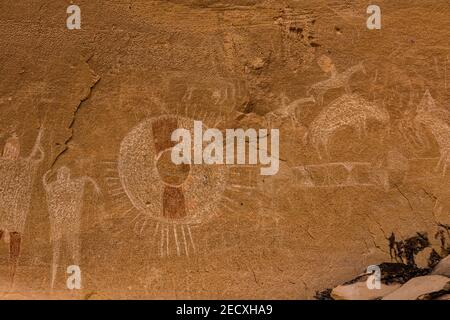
{"type": "Point", "coordinates": [16, 182]}
{"type": "Point", "coordinates": [288, 109]}
{"type": "Point", "coordinates": [336, 80]}
{"type": "Point", "coordinates": [65, 201]}
{"type": "Point", "coordinates": [349, 110]}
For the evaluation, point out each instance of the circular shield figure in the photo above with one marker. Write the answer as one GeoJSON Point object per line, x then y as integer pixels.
{"type": "Point", "coordinates": [174, 196]}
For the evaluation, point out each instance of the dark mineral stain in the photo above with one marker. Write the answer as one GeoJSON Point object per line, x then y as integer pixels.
{"type": "Point", "coordinates": [443, 234]}
{"type": "Point", "coordinates": [405, 268]}
{"type": "Point", "coordinates": [297, 30]}
{"type": "Point", "coordinates": [323, 295]}
{"type": "Point", "coordinates": [405, 250]}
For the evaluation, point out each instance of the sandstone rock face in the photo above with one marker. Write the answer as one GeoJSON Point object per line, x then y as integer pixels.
{"type": "Point", "coordinates": [420, 286]}
{"type": "Point", "coordinates": [86, 120]}
{"type": "Point", "coordinates": [443, 267]}
{"type": "Point", "coordinates": [422, 258]}
{"type": "Point", "coordinates": [360, 291]}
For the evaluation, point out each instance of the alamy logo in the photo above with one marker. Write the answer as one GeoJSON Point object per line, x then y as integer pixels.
{"type": "Point", "coordinates": [374, 20]}
{"type": "Point", "coordinates": [74, 279]}
{"type": "Point", "coordinates": [191, 150]}
{"type": "Point", "coordinates": [74, 20]}
{"type": "Point", "coordinates": [374, 279]}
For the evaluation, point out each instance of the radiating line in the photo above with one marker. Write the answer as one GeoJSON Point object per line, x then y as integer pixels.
{"type": "Point", "coordinates": [143, 226]}
{"type": "Point", "coordinates": [184, 240]}
{"type": "Point", "coordinates": [167, 244]}
{"type": "Point", "coordinates": [156, 230]}
{"type": "Point", "coordinates": [192, 240]}
{"type": "Point", "coordinates": [117, 194]}
{"type": "Point", "coordinates": [137, 216]}
{"type": "Point", "coordinates": [176, 238]}
{"type": "Point", "coordinates": [228, 207]}
{"type": "Point", "coordinates": [239, 186]}
{"type": "Point", "coordinates": [119, 202]}
{"type": "Point", "coordinates": [127, 212]}
{"type": "Point", "coordinates": [115, 190]}
{"type": "Point", "coordinates": [162, 242]}
{"type": "Point", "coordinates": [228, 199]}
{"type": "Point", "coordinates": [113, 184]}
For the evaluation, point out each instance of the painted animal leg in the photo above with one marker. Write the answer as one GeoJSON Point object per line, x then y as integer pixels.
{"type": "Point", "coordinates": [293, 120]}
{"type": "Point", "coordinates": [319, 153]}
{"type": "Point", "coordinates": [1, 235]}
{"type": "Point", "coordinates": [190, 238]}
{"type": "Point", "coordinates": [347, 88]}
{"type": "Point", "coordinates": [320, 98]}
{"type": "Point", "coordinates": [441, 161]}
{"type": "Point", "coordinates": [55, 261]}
{"type": "Point", "coordinates": [325, 145]}
{"type": "Point", "coordinates": [438, 165]}
{"type": "Point", "coordinates": [364, 127]}
{"type": "Point", "coordinates": [14, 253]}
{"type": "Point", "coordinates": [437, 207]}
{"type": "Point", "coordinates": [359, 130]}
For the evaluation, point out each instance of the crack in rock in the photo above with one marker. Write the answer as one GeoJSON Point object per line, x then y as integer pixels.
{"type": "Point", "coordinates": [95, 81]}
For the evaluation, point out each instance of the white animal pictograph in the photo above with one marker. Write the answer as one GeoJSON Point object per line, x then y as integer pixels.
{"type": "Point", "coordinates": [65, 201]}
{"type": "Point", "coordinates": [336, 80]}
{"type": "Point", "coordinates": [16, 182]}
{"type": "Point", "coordinates": [288, 109]}
{"type": "Point", "coordinates": [350, 110]}
{"type": "Point", "coordinates": [437, 121]}
{"type": "Point", "coordinates": [336, 174]}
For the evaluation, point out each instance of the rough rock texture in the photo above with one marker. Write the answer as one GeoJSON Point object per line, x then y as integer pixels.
{"type": "Point", "coordinates": [361, 158]}
{"type": "Point", "coordinates": [420, 286]}
{"type": "Point", "coordinates": [360, 291]}
{"type": "Point", "coordinates": [443, 267]}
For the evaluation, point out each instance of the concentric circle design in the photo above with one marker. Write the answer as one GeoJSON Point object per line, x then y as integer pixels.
{"type": "Point", "coordinates": [159, 189]}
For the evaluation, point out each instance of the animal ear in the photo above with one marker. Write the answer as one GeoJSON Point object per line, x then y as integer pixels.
{"type": "Point", "coordinates": [427, 103]}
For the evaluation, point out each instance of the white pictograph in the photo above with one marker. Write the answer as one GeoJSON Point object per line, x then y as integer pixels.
{"type": "Point", "coordinates": [336, 174]}
{"type": "Point", "coordinates": [173, 197]}
{"type": "Point", "coordinates": [16, 182]}
{"type": "Point", "coordinates": [226, 93]}
{"type": "Point", "coordinates": [336, 80]}
{"type": "Point", "coordinates": [288, 109]}
{"type": "Point", "coordinates": [65, 201]}
{"type": "Point", "coordinates": [437, 121]}
{"type": "Point", "coordinates": [350, 110]}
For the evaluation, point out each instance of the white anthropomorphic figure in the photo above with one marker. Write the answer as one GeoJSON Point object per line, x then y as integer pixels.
{"type": "Point", "coordinates": [65, 201]}
{"type": "Point", "coordinates": [16, 182]}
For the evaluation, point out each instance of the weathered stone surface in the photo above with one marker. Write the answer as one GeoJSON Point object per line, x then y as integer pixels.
{"type": "Point", "coordinates": [422, 259]}
{"type": "Point", "coordinates": [363, 120]}
{"type": "Point", "coordinates": [443, 267]}
{"type": "Point", "coordinates": [420, 286]}
{"type": "Point", "coordinates": [360, 291]}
